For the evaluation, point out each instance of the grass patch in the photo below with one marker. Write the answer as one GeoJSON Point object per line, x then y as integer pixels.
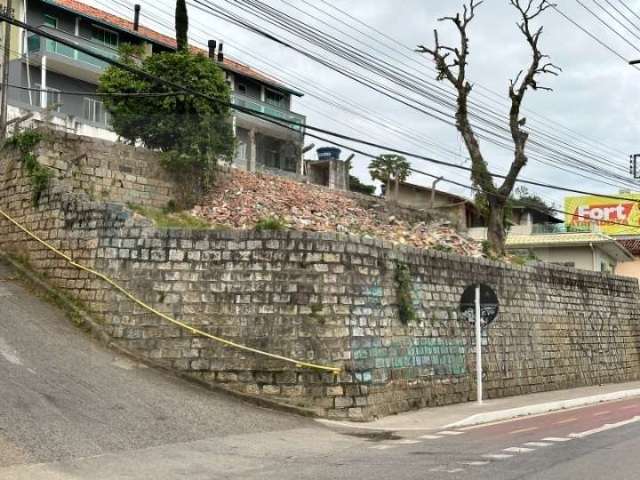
{"type": "Point", "coordinates": [270, 223]}
{"type": "Point", "coordinates": [166, 219]}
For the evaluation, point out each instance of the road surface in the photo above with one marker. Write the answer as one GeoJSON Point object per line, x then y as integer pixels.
{"type": "Point", "coordinates": [72, 409]}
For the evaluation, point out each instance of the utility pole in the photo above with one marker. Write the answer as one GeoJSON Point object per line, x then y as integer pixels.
{"type": "Point", "coordinates": [5, 73]}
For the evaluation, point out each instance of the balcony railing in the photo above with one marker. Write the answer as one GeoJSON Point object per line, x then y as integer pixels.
{"type": "Point", "coordinates": [45, 46]}
{"type": "Point", "coordinates": [262, 107]}
{"type": "Point", "coordinates": [564, 228]}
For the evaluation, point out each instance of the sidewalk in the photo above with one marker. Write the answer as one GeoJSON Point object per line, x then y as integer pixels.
{"type": "Point", "coordinates": [469, 414]}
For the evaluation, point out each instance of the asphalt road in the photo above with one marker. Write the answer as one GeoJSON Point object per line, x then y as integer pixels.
{"type": "Point", "coordinates": [72, 409]}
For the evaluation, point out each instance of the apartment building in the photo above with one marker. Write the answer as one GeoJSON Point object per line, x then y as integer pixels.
{"type": "Point", "coordinates": [39, 63]}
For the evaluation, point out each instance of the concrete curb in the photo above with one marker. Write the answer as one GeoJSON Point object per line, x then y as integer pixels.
{"type": "Point", "coordinates": [540, 408]}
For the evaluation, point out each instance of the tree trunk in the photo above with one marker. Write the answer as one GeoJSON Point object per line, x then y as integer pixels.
{"type": "Point", "coordinates": [396, 194]}
{"type": "Point", "coordinates": [182, 26]}
{"type": "Point", "coordinates": [496, 233]}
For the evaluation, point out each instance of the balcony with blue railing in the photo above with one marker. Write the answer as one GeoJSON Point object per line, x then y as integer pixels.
{"type": "Point", "coordinates": [291, 119]}
{"type": "Point", "coordinates": [63, 56]}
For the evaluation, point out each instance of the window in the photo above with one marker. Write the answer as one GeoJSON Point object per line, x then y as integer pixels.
{"type": "Point", "coordinates": [242, 88]}
{"type": "Point", "coordinates": [51, 21]}
{"type": "Point", "coordinates": [104, 36]}
{"type": "Point", "coordinates": [94, 111]}
{"type": "Point", "coordinates": [53, 98]}
{"type": "Point", "coordinates": [274, 98]}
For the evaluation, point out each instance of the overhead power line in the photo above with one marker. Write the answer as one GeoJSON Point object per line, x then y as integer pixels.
{"type": "Point", "coordinates": [273, 119]}
{"type": "Point", "coordinates": [494, 96]}
{"type": "Point", "coordinates": [608, 26]}
{"type": "Point", "coordinates": [552, 157]}
{"type": "Point", "coordinates": [485, 192]}
{"type": "Point", "coordinates": [629, 9]}
{"type": "Point", "coordinates": [593, 37]}
{"type": "Point", "coordinates": [313, 90]}
{"type": "Point", "coordinates": [615, 18]}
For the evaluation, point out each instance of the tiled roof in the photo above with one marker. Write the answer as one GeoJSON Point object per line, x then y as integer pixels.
{"type": "Point", "coordinates": [156, 37]}
{"type": "Point", "coordinates": [608, 244]}
{"type": "Point", "coordinates": [633, 245]}
{"type": "Point", "coordinates": [557, 239]}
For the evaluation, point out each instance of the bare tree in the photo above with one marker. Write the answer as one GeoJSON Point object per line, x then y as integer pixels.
{"type": "Point", "coordinates": [451, 65]}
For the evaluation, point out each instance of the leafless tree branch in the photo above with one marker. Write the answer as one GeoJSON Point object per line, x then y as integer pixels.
{"type": "Point", "coordinates": [451, 65]}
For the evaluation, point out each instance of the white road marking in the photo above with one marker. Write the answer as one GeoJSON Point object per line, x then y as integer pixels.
{"type": "Point", "coordinates": [522, 430]}
{"type": "Point", "coordinates": [555, 439]}
{"type": "Point", "coordinates": [9, 353]}
{"type": "Point", "coordinates": [604, 428]}
{"type": "Point", "coordinates": [537, 444]}
{"type": "Point", "coordinates": [446, 470]}
{"type": "Point", "coordinates": [430, 437]}
{"type": "Point", "coordinates": [406, 442]}
{"type": "Point", "coordinates": [518, 450]}
{"type": "Point", "coordinates": [568, 420]}
{"type": "Point", "coordinates": [381, 447]}
{"type": "Point", "coordinates": [599, 414]}
{"type": "Point", "coordinates": [450, 432]}
{"type": "Point", "coordinates": [497, 456]}
{"type": "Point", "coordinates": [474, 464]}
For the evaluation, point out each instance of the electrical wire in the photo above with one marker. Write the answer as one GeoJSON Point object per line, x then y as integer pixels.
{"type": "Point", "coordinates": [270, 118]}
{"type": "Point", "coordinates": [555, 156]}
{"type": "Point", "coordinates": [616, 19]}
{"type": "Point", "coordinates": [593, 37]}
{"type": "Point", "coordinates": [493, 194]}
{"type": "Point", "coordinates": [326, 97]}
{"type": "Point", "coordinates": [629, 9]}
{"type": "Point", "coordinates": [490, 94]}
{"type": "Point", "coordinates": [608, 26]}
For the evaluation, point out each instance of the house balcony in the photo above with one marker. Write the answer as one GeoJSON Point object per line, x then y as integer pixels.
{"type": "Point", "coordinates": [67, 60]}
{"type": "Point", "coordinates": [267, 126]}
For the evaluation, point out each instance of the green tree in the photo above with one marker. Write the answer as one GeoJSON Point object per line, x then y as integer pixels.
{"type": "Point", "coordinates": [390, 168]}
{"type": "Point", "coordinates": [522, 197]}
{"type": "Point", "coordinates": [182, 26]}
{"type": "Point", "coordinates": [355, 185]}
{"type": "Point", "coordinates": [194, 132]}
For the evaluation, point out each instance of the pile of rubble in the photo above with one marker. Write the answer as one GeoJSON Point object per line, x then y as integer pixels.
{"type": "Point", "coordinates": [241, 200]}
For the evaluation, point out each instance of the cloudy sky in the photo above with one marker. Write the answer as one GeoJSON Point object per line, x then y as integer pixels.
{"type": "Point", "coordinates": [594, 106]}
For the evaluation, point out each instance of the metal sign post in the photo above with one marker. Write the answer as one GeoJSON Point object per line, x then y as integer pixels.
{"type": "Point", "coordinates": [479, 306]}
{"type": "Point", "coordinates": [478, 346]}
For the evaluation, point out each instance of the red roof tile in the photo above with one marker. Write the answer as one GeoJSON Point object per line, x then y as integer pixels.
{"type": "Point", "coordinates": [156, 37]}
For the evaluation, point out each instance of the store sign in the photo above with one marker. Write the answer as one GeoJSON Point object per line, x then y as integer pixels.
{"type": "Point", "coordinates": [489, 305]}
{"type": "Point", "coordinates": [613, 217]}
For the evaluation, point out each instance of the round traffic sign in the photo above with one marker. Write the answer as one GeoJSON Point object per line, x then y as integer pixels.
{"type": "Point", "coordinates": [488, 304]}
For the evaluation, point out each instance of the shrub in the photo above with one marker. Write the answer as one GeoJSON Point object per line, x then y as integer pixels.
{"type": "Point", "coordinates": [25, 142]}
{"type": "Point", "coordinates": [406, 310]}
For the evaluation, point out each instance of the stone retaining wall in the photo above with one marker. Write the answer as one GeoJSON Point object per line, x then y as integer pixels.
{"type": "Point", "coordinates": [107, 171]}
{"type": "Point", "coordinates": [328, 299]}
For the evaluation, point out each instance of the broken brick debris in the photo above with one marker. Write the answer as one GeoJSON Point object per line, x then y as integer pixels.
{"type": "Point", "coordinates": [241, 199]}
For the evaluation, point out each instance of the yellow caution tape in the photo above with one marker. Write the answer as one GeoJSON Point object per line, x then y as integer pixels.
{"type": "Point", "coordinates": [130, 296]}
